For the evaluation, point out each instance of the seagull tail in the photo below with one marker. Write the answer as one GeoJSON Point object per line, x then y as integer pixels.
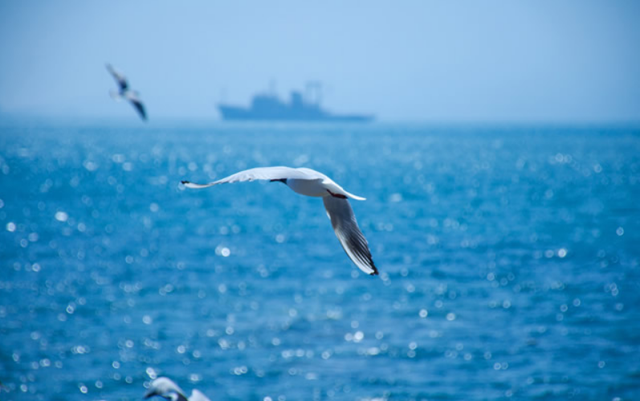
{"type": "Point", "coordinates": [337, 189]}
{"type": "Point", "coordinates": [356, 197]}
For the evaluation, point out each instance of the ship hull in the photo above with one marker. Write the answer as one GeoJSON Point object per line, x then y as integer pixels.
{"type": "Point", "coordinates": [234, 113]}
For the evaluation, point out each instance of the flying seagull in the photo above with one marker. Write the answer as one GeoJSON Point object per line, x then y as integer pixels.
{"type": "Point", "coordinates": [125, 93]}
{"type": "Point", "coordinates": [308, 182]}
{"type": "Point", "coordinates": [167, 389]}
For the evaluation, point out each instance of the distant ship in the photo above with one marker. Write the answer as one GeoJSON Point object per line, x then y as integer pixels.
{"type": "Point", "coordinates": [270, 107]}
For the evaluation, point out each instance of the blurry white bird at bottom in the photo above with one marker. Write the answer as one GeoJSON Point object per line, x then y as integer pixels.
{"type": "Point", "coordinates": [169, 390]}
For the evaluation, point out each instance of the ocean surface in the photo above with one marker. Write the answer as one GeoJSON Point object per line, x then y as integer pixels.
{"type": "Point", "coordinates": [509, 260]}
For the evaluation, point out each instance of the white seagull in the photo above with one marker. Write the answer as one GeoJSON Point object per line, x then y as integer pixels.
{"type": "Point", "coordinates": [308, 182]}
{"type": "Point", "coordinates": [125, 93]}
{"type": "Point", "coordinates": [169, 390]}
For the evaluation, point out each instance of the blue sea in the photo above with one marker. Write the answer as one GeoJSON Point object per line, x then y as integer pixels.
{"type": "Point", "coordinates": [509, 261]}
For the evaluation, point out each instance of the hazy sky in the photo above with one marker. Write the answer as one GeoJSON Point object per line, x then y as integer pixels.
{"type": "Point", "coordinates": [570, 60]}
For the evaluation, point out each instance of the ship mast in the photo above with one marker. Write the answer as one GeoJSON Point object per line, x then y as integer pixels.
{"type": "Point", "coordinates": [314, 92]}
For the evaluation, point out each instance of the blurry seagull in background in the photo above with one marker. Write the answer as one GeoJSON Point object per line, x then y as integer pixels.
{"type": "Point", "coordinates": [167, 389]}
{"type": "Point", "coordinates": [125, 93]}
{"type": "Point", "coordinates": [308, 182]}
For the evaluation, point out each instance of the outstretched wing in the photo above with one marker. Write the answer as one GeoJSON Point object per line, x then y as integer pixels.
{"type": "Point", "coordinates": [196, 395]}
{"type": "Point", "coordinates": [346, 228]}
{"type": "Point", "coordinates": [120, 79]}
{"type": "Point", "coordinates": [137, 104]}
{"type": "Point", "coordinates": [261, 173]}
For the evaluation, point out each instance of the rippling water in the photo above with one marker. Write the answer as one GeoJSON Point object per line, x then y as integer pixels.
{"type": "Point", "coordinates": [509, 260]}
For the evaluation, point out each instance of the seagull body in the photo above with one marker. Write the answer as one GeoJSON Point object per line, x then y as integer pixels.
{"type": "Point", "coordinates": [308, 182]}
{"type": "Point", "coordinates": [125, 93]}
{"type": "Point", "coordinates": [169, 390]}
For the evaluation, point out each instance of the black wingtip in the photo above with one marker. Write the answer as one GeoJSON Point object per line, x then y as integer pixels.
{"type": "Point", "coordinates": [375, 269]}
{"type": "Point", "coordinates": [185, 182]}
